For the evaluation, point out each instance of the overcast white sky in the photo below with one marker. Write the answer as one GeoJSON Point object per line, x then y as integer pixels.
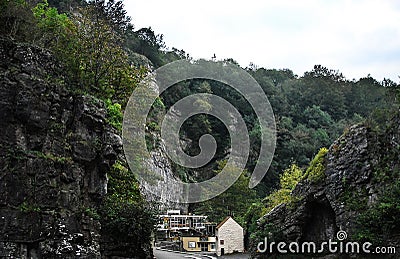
{"type": "Point", "coordinates": [356, 37]}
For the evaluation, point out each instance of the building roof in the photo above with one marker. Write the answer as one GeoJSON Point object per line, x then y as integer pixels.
{"type": "Point", "coordinates": [223, 222]}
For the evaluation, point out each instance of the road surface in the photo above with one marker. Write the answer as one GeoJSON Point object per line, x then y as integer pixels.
{"type": "Point", "coordinates": [171, 255]}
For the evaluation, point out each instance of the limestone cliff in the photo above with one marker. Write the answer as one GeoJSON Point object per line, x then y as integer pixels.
{"type": "Point", "coordinates": [154, 192]}
{"type": "Point", "coordinates": [56, 149]}
{"type": "Point", "coordinates": [358, 194]}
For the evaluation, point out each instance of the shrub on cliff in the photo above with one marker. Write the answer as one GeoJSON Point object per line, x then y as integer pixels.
{"type": "Point", "coordinates": [288, 181]}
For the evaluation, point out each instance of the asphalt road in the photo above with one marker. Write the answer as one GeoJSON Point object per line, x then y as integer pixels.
{"type": "Point", "coordinates": [171, 255]}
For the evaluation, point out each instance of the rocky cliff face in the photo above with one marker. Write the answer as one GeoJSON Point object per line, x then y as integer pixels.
{"type": "Point", "coordinates": [360, 176]}
{"type": "Point", "coordinates": [55, 151]}
{"type": "Point", "coordinates": [160, 164]}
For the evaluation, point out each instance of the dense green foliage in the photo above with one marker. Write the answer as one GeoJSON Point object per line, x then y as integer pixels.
{"type": "Point", "coordinates": [288, 181]}
{"type": "Point", "coordinates": [316, 171]}
{"type": "Point", "coordinates": [381, 221]}
{"type": "Point", "coordinates": [281, 196]}
{"type": "Point", "coordinates": [115, 114]}
{"type": "Point", "coordinates": [233, 202]}
{"type": "Point", "coordinates": [125, 213]}
{"type": "Point", "coordinates": [17, 20]}
{"type": "Point", "coordinates": [311, 112]}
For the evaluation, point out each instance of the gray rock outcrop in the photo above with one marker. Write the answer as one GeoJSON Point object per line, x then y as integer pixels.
{"type": "Point", "coordinates": [349, 190]}
{"type": "Point", "coordinates": [55, 151]}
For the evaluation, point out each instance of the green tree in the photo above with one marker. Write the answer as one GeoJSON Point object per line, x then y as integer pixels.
{"type": "Point", "coordinates": [288, 182]}
{"type": "Point", "coordinates": [55, 28]}
{"type": "Point", "coordinates": [91, 50]}
{"type": "Point", "coordinates": [126, 216]}
{"type": "Point", "coordinates": [146, 42]}
{"type": "Point", "coordinates": [17, 20]}
{"type": "Point", "coordinates": [316, 171]}
{"type": "Point", "coordinates": [233, 202]}
{"type": "Point", "coordinates": [66, 5]}
{"type": "Point", "coordinates": [99, 55]}
{"type": "Point", "coordinates": [113, 12]}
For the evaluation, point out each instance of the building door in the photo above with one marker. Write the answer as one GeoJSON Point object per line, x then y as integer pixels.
{"type": "Point", "coordinates": [204, 247]}
{"type": "Point", "coordinates": [222, 251]}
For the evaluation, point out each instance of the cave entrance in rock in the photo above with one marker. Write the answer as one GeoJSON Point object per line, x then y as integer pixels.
{"type": "Point", "coordinates": [320, 225]}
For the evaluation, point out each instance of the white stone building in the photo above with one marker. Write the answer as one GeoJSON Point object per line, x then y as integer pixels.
{"type": "Point", "coordinates": [229, 237]}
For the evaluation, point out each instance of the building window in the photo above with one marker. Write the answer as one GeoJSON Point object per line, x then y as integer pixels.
{"type": "Point", "coordinates": [221, 242]}
{"type": "Point", "coordinates": [192, 244]}
{"type": "Point", "coordinates": [212, 246]}
{"type": "Point", "coordinates": [204, 247]}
